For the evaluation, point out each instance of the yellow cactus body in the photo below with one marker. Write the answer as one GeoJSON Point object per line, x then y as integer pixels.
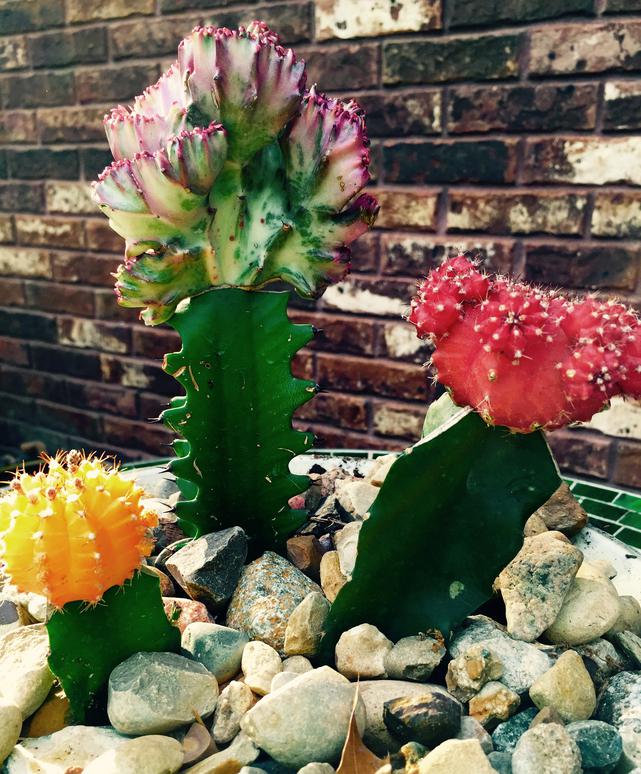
{"type": "Point", "coordinates": [72, 532]}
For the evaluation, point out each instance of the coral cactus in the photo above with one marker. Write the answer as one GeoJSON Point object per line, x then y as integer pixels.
{"type": "Point", "coordinates": [228, 173]}
{"type": "Point", "coordinates": [523, 357]}
{"type": "Point", "coordinates": [73, 531]}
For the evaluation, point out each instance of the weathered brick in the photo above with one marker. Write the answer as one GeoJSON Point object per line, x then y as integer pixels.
{"type": "Point", "coordinates": [43, 89]}
{"type": "Point", "coordinates": [39, 163]}
{"type": "Point", "coordinates": [90, 334]}
{"type": "Point", "coordinates": [84, 267]}
{"type": "Point", "coordinates": [101, 237]}
{"type": "Point", "coordinates": [17, 408]}
{"type": "Point", "coordinates": [26, 197]}
{"type": "Point", "coordinates": [57, 49]}
{"type": "Point", "coordinates": [92, 10]}
{"type": "Point", "coordinates": [24, 263]}
{"type": "Point", "coordinates": [364, 18]}
{"type": "Point", "coordinates": [107, 307]}
{"type": "Point", "coordinates": [14, 53]}
{"type": "Point", "coordinates": [584, 454]}
{"type": "Point", "coordinates": [293, 21]}
{"type": "Point", "coordinates": [11, 292]}
{"type": "Point", "coordinates": [28, 15]}
{"type": "Point", "coordinates": [541, 108]}
{"type": "Point", "coordinates": [392, 419]}
{"type": "Point", "coordinates": [52, 297]}
{"type": "Point", "coordinates": [452, 59]}
{"type": "Point", "coordinates": [94, 161]}
{"type": "Point", "coordinates": [154, 343]}
{"type": "Point", "coordinates": [621, 6]}
{"type": "Point", "coordinates": [505, 212]}
{"type": "Point", "coordinates": [150, 406]}
{"type": "Point", "coordinates": [7, 229]}
{"type": "Point", "coordinates": [100, 397]}
{"type": "Point", "coordinates": [470, 13]}
{"type": "Point", "coordinates": [365, 253]}
{"type": "Point", "coordinates": [71, 198]}
{"type": "Point", "coordinates": [114, 83]}
{"type": "Point", "coordinates": [304, 364]}
{"type": "Point", "coordinates": [396, 115]}
{"type": "Point", "coordinates": [400, 342]}
{"type": "Point", "coordinates": [69, 420]}
{"type": "Point", "coordinates": [17, 126]}
{"type": "Point", "coordinates": [38, 231]}
{"type": "Point", "coordinates": [338, 333]}
{"type": "Point", "coordinates": [409, 208]}
{"type": "Point", "coordinates": [27, 325]}
{"type": "Point", "coordinates": [622, 107]}
{"type": "Point", "coordinates": [4, 164]}
{"type": "Point", "coordinates": [138, 374]}
{"type": "Point", "coordinates": [71, 124]}
{"type": "Point", "coordinates": [583, 266]}
{"type": "Point", "coordinates": [627, 466]}
{"type": "Point", "coordinates": [617, 215]}
{"type": "Point", "coordinates": [589, 160]}
{"type": "Point", "coordinates": [328, 437]}
{"type": "Point", "coordinates": [12, 351]}
{"type": "Point", "coordinates": [378, 297]}
{"type": "Point", "coordinates": [414, 255]}
{"type": "Point", "coordinates": [345, 411]}
{"type": "Point", "coordinates": [153, 438]}
{"type": "Point", "coordinates": [450, 161]}
{"type": "Point", "coordinates": [573, 48]}
{"type": "Point", "coordinates": [378, 377]}
{"type": "Point", "coordinates": [71, 362]}
{"type": "Point", "coordinates": [345, 66]}
{"type": "Point", "coordinates": [175, 6]}
{"type": "Point", "coordinates": [33, 384]}
{"type": "Point", "coordinates": [161, 37]}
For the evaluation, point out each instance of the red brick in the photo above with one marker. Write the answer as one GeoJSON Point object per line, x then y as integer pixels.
{"type": "Point", "coordinates": [617, 214]}
{"type": "Point", "coordinates": [154, 343]}
{"type": "Point", "coordinates": [398, 341]}
{"type": "Point", "coordinates": [405, 113]}
{"type": "Point", "coordinates": [62, 48]}
{"type": "Point", "coordinates": [349, 66]}
{"type": "Point", "coordinates": [107, 307]}
{"type": "Point", "coordinates": [28, 15]}
{"type": "Point", "coordinates": [50, 297]}
{"type": "Point", "coordinates": [61, 360]}
{"type": "Point", "coordinates": [360, 295]}
{"type": "Point", "coordinates": [12, 351]}
{"type": "Point", "coordinates": [359, 18]}
{"type": "Point", "coordinates": [24, 197]}
{"type": "Point", "coordinates": [151, 406]}
{"type": "Point", "coordinates": [470, 13]}
{"type": "Point", "coordinates": [90, 334]}
{"type": "Point", "coordinates": [580, 453]}
{"type": "Point", "coordinates": [35, 384]}
{"type": "Point", "coordinates": [339, 334]}
{"type": "Point", "coordinates": [71, 124]}
{"type": "Point", "coordinates": [137, 374]}
{"type": "Point", "coordinates": [627, 466]}
{"type": "Point", "coordinates": [37, 231]}
{"type": "Point", "coordinates": [303, 365]}
{"type": "Point", "coordinates": [100, 397]}
{"type": "Point", "coordinates": [153, 438]}
{"type": "Point", "coordinates": [92, 10]}
{"type": "Point", "coordinates": [161, 37]}
{"type": "Point", "coordinates": [68, 420]}
{"type": "Point", "coordinates": [43, 89]}
{"type": "Point", "coordinates": [14, 53]}
{"type": "Point", "coordinates": [101, 237]}
{"type": "Point", "coordinates": [84, 268]}
{"type": "Point", "coordinates": [114, 83]}
{"type": "Point", "coordinates": [345, 411]}
{"type": "Point", "coordinates": [11, 292]}
{"type": "Point", "coordinates": [24, 324]}
{"type": "Point", "coordinates": [377, 377]}
{"type": "Point", "coordinates": [17, 126]}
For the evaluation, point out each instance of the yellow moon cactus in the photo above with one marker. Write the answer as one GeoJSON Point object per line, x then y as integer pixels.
{"type": "Point", "coordinates": [74, 530]}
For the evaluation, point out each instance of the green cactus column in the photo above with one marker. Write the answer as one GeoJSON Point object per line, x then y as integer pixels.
{"type": "Point", "coordinates": [235, 419]}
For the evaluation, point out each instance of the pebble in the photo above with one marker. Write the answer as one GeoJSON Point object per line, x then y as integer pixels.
{"type": "Point", "coordinates": [456, 756]}
{"type": "Point", "coordinates": [535, 582]}
{"type": "Point", "coordinates": [12, 616]}
{"type": "Point", "coordinates": [361, 651]}
{"type": "Point", "coordinates": [10, 727]}
{"type": "Point", "coordinates": [428, 719]}
{"type": "Point", "coordinates": [305, 721]}
{"type": "Point", "coordinates": [317, 768]}
{"type": "Point", "coordinates": [346, 542]}
{"type": "Point", "coordinates": [281, 679]}
{"type": "Point", "coordinates": [331, 576]}
{"type": "Point", "coordinates": [260, 662]}
{"type": "Point", "coordinates": [241, 752]}
{"type": "Point", "coordinates": [167, 588]}
{"type": "Point", "coordinates": [306, 625]}
{"type": "Point", "coordinates": [53, 715]}
{"type": "Point", "coordinates": [197, 743]}
{"type": "Point", "coordinates": [71, 749]}
{"type": "Point", "coordinates": [25, 677]}
{"type": "Point", "coordinates": [469, 672]}
{"type": "Point", "coordinates": [563, 512]}
{"type": "Point", "coordinates": [629, 619]}
{"type": "Point", "coordinates": [493, 703]}
{"type": "Point", "coordinates": [500, 761]}
{"type": "Point", "coordinates": [269, 590]}
{"type": "Point", "coordinates": [631, 738]}
{"type": "Point", "coordinates": [218, 648]}
{"type": "Point", "coordinates": [599, 743]}
{"type": "Point", "coordinates": [379, 470]}
{"type": "Point", "coordinates": [208, 568]}
{"type": "Point", "coordinates": [234, 701]}
{"type": "Point", "coordinates": [151, 754]}
{"type": "Point", "coordinates": [601, 659]}
{"type": "Point", "coordinates": [567, 687]}
{"type": "Point", "coordinates": [414, 658]}
{"type": "Point", "coordinates": [152, 693]}
{"type": "Point", "coordinates": [547, 715]}
{"type": "Point", "coordinates": [546, 749]}
{"type": "Point", "coordinates": [305, 552]}
{"type": "Point", "coordinates": [534, 526]}
{"type": "Point", "coordinates": [506, 735]}
{"type": "Point", "coordinates": [374, 694]}
{"type": "Point", "coordinates": [470, 728]}
{"type": "Point", "coordinates": [409, 756]}
{"type": "Point", "coordinates": [590, 609]}
{"type": "Point", "coordinates": [522, 662]}
{"type": "Point", "coordinates": [356, 497]}
{"type": "Point", "coordinates": [297, 664]}
{"type": "Point", "coordinates": [630, 646]}
{"type": "Point", "coordinates": [182, 612]}
{"type": "Point", "coordinates": [620, 699]}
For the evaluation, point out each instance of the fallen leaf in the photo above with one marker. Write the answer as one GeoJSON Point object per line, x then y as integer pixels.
{"type": "Point", "coordinates": [356, 758]}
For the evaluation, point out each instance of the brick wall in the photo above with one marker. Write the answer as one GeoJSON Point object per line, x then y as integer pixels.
{"type": "Point", "coordinates": [504, 126]}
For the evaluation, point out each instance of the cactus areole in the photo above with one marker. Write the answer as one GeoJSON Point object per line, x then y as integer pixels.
{"type": "Point", "coordinates": [523, 357]}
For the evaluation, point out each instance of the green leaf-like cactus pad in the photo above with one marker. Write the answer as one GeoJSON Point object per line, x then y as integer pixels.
{"type": "Point", "coordinates": [235, 418]}
{"type": "Point", "coordinates": [88, 642]}
{"type": "Point", "coordinates": [449, 517]}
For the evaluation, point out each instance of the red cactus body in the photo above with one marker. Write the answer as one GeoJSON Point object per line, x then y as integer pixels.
{"type": "Point", "coordinates": [523, 357]}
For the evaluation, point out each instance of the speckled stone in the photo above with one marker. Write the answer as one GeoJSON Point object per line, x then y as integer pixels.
{"type": "Point", "coordinates": [507, 734]}
{"type": "Point", "coordinates": [182, 612]}
{"type": "Point", "coordinates": [599, 743]}
{"type": "Point", "coordinates": [269, 590]}
{"type": "Point", "coordinates": [620, 700]}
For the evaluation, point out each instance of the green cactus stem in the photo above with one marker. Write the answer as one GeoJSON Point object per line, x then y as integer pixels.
{"type": "Point", "coordinates": [235, 418]}
{"type": "Point", "coordinates": [448, 518]}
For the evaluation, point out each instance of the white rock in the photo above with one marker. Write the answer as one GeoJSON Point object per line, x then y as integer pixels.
{"type": "Point", "coordinates": [306, 625]}
{"type": "Point", "coordinates": [361, 651]}
{"type": "Point", "coordinates": [298, 664]}
{"type": "Point", "coordinates": [629, 619]}
{"type": "Point", "coordinates": [626, 560]}
{"type": "Point", "coordinates": [356, 497]}
{"type": "Point", "coordinates": [331, 576]}
{"type": "Point", "coordinates": [240, 753]}
{"type": "Point", "coordinates": [10, 727]}
{"type": "Point", "coordinates": [151, 754]}
{"type": "Point", "coordinates": [380, 469]}
{"type": "Point", "coordinates": [414, 658]}
{"type": "Point", "coordinates": [234, 701]}
{"type": "Point", "coordinates": [317, 768]}
{"type": "Point", "coordinates": [260, 663]}
{"type": "Point", "coordinates": [456, 756]}
{"type": "Point", "coordinates": [281, 679]}
{"type": "Point", "coordinates": [25, 677]}
{"type": "Point", "coordinates": [346, 542]}
{"type": "Point", "coordinates": [546, 749]}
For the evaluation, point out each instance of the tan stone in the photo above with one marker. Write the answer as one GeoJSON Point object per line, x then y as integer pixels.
{"type": "Point", "coordinates": [456, 756]}
{"type": "Point", "coordinates": [470, 671]}
{"type": "Point", "coordinates": [52, 716]}
{"type": "Point", "coordinates": [306, 626]}
{"type": "Point", "coordinates": [563, 512]}
{"type": "Point", "coordinates": [493, 703]}
{"type": "Point", "coordinates": [305, 552]}
{"type": "Point", "coordinates": [332, 579]}
{"type": "Point", "coordinates": [629, 619]}
{"type": "Point", "coordinates": [567, 687]}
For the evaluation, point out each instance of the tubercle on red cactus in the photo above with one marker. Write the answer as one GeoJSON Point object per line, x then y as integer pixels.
{"type": "Point", "coordinates": [73, 530]}
{"type": "Point", "coordinates": [523, 357]}
{"type": "Point", "coordinates": [227, 173]}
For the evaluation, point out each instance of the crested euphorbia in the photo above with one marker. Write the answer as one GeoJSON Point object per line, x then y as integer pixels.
{"type": "Point", "coordinates": [524, 357]}
{"type": "Point", "coordinates": [228, 173]}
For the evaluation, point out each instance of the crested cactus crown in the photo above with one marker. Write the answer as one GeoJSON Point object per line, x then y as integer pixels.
{"type": "Point", "coordinates": [228, 173]}
{"type": "Point", "coordinates": [524, 357]}
{"type": "Point", "coordinates": [72, 532]}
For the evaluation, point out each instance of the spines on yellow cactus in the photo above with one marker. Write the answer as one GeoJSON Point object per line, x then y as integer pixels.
{"type": "Point", "coordinates": [74, 530]}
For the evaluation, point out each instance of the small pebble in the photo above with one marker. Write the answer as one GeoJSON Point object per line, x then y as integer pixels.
{"type": "Point", "coordinates": [331, 577]}
{"type": "Point", "coordinates": [151, 754]}
{"type": "Point", "coordinates": [297, 664]}
{"type": "Point", "coordinates": [414, 658]}
{"type": "Point", "coordinates": [260, 662]}
{"type": "Point", "coordinates": [493, 703]}
{"type": "Point", "coordinates": [567, 687]}
{"type": "Point", "coordinates": [306, 626]}
{"type": "Point", "coordinates": [361, 652]}
{"type": "Point", "coordinates": [546, 749]}
{"type": "Point", "coordinates": [456, 756]}
{"type": "Point", "coordinates": [10, 727]}
{"type": "Point", "coordinates": [234, 701]}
